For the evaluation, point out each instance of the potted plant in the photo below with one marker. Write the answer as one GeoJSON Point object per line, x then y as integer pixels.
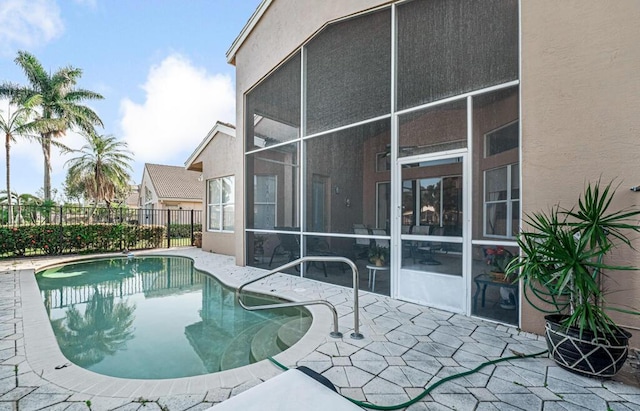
{"type": "Point", "coordinates": [499, 258]}
{"type": "Point", "coordinates": [562, 263]}
{"type": "Point", "coordinates": [197, 238]}
{"type": "Point", "coordinates": [378, 255]}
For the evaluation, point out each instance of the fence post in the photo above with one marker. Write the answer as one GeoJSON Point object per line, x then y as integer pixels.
{"type": "Point", "coordinates": [168, 228]}
{"type": "Point", "coordinates": [60, 233]}
{"type": "Point", "coordinates": [121, 230]}
{"type": "Point", "coordinates": [193, 239]}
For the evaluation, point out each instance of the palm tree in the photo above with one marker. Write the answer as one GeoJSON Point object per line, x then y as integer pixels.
{"type": "Point", "coordinates": [102, 167]}
{"type": "Point", "coordinates": [15, 124]}
{"type": "Point", "coordinates": [59, 107]}
{"type": "Point", "coordinates": [30, 200]}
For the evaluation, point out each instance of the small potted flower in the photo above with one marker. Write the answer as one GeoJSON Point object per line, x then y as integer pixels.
{"type": "Point", "coordinates": [378, 255]}
{"type": "Point", "coordinates": [499, 258]}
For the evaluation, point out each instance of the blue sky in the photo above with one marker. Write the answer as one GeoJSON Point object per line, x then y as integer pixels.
{"type": "Point", "coordinates": [160, 64]}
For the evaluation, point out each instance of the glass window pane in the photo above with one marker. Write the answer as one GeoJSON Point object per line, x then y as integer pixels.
{"type": "Point", "coordinates": [227, 190]}
{"type": "Point", "coordinates": [384, 205]}
{"type": "Point", "coordinates": [439, 128]}
{"type": "Point", "coordinates": [348, 76]}
{"type": "Point", "coordinates": [452, 206]}
{"type": "Point", "coordinates": [430, 201]}
{"type": "Point", "coordinates": [515, 218]}
{"type": "Point", "coordinates": [229, 217]}
{"type": "Point", "coordinates": [501, 140]}
{"type": "Point", "coordinates": [273, 107]}
{"type": "Point", "coordinates": [496, 219]}
{"type": "Point", "coordinates": [341, 168]}
{"type": "Point", "coordinates": [214, 191]}
{"type": "Point", "coordinates": [408, 203]}
{"type": "Point", "coordinates": [496, 184]}
{"type": "Point", "coordinates": [282, 164]}
{"type": "Point", "coordinates": [431, 256]}
{"type": "Point", "coordinates": [214, 217]}
{"type": "Point", "coordinates": [264, 216]}
{"type": "Point", "coordinates": [265, 188]}
{"type": "Point", "coordinates": [515, 181]}
{"type": "Point", "coordinates": [448, 47]}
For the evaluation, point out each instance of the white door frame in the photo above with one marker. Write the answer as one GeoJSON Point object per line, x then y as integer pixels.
{"type": "Point", "coordinates": [460, 284]}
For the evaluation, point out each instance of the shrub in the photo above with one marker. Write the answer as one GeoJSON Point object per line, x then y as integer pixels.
{"type": "Point", "coordinates": [77, 238]}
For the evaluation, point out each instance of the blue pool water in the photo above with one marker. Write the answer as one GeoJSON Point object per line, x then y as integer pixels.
{"type": "Point", "coordinates": [158, 317]}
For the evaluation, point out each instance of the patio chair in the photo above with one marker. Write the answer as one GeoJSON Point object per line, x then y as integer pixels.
{"type": "Point", "coordinates": [289, 245]}
{"type": "Point", "coordinates": [362, 245]}
{"type": "Point", "coordinates": [317, 246]}
{"type": "Point", "coordinates": [379, 241]}
{"type": "Point", "coordinates": [426, 248]}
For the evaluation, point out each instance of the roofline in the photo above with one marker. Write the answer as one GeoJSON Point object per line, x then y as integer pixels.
{"type": "Point", "coordinates": [217, 128]}
{"type": "Point", "coordinates": [182, 199]}
{"type": "Point", "coordinates": [246, 30]}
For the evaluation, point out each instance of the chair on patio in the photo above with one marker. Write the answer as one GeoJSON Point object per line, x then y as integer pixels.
{"type": "Point", "coordinates": [362, 245]}
{"type": "Point", "coordinates": [317, 246]}
{"type": "Point", "coordinates": [289, 245]}
{"type": "Point", "coordinates": [426, 248]}
{"type": "Point", "coordinates": [379, 241]}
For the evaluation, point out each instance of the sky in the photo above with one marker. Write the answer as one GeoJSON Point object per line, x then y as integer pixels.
{"type": "Point", "coordinates": [160, 65]}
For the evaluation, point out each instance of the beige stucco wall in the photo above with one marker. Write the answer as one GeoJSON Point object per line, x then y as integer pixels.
{"type": "Point", "coordinates": [580, 88]}
{"type": "Point", "coordinates": [218, 161]}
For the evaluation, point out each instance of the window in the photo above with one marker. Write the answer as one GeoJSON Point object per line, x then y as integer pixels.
{"type": "Point", "coordinates": [264, 208]}
{"type": "Point", "coordinates": [501, 140]}
{"type": "Point", "coordinates": [501, 201]}
{"type": "Point", "coordinates": [220, 208]}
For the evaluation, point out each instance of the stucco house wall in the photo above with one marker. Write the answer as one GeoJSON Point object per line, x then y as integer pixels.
{"type": "Point", "coordinates": [580, 85]}
{"type": "Point", "coordinates": [215, 160]}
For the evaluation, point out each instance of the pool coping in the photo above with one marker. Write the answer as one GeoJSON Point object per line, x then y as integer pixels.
{"type": "Point", "coordinates": [46, 359]}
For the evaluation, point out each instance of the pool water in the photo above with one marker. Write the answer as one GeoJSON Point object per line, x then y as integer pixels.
{"type": "Point", "coordinates": [159, 317]}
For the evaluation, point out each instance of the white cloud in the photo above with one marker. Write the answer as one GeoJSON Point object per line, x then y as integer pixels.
{"type": "Point", "coordinates": [182, 103]}
{"type": "Point", "coordinates": [26, 24]}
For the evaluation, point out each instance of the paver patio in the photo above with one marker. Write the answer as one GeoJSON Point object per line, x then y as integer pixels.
{"type": "Point", "coordinates": [406, 348]}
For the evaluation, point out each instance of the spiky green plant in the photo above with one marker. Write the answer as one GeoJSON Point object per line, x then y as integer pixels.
{"type": "Point", "coordinates": [564, 259]}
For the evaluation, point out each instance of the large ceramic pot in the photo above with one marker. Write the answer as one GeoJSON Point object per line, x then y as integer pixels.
{"type": "Point", "coordinates": [598, 358]}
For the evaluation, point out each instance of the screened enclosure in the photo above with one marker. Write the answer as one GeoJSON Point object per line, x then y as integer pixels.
{"type": "Point", "coordinates": [393, 133]}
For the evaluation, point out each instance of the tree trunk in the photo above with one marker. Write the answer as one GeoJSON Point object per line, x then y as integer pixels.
{"type": "Point", "coordinates": [46, 150]}
{"type": "Point", "coordinates": [7, 146]}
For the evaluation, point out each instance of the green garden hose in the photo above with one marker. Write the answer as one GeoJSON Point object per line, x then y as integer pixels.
{"type": "Point", "coordinates": [431, 387]}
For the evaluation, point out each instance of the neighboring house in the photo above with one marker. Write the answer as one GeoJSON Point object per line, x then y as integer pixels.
{"type": "Point", "coordinates": [170, 188]}
{"type": "Point", "coordinates": [434, 126]}
{"type": "Point", "coordinates": [133, 199]}
{"type": "Point", "coordinates": [216, 161]}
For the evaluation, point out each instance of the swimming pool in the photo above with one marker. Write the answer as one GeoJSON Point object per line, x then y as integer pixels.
{"type": "Point", "coordinates": [158, 317]}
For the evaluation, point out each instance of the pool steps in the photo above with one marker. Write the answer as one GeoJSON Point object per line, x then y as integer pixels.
{"type": "Point", "coordinates": [261, 341]}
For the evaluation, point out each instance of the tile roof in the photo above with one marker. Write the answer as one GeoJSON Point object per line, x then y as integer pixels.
{"type": "Point", "coordinates": [175, 182]}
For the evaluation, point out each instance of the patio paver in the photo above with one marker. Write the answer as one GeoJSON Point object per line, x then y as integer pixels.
{"type": "Point", "coordinates": [406, 347]}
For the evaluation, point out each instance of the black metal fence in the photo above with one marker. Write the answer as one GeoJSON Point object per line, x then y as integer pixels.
{"type": "Point", "coordinates": [27, 230]}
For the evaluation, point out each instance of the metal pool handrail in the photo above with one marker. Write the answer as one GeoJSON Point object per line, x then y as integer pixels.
{"type": "Point", "coordinates": [328, 259]}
